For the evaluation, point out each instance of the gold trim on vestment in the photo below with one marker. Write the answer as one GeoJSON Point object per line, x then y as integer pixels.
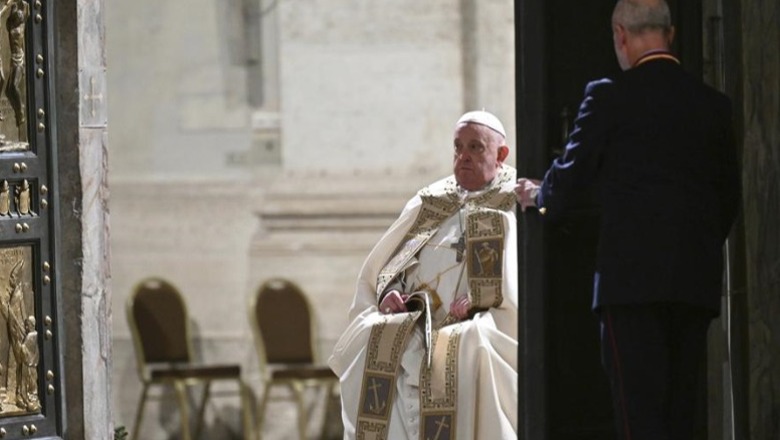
{"type": "Point", "coordinates": [439, 202]}
{"type": "Point", "coordinates": [485, 248]}
{"type": "Point", "coordinates": [386, 344]}
{"type": "Point", "coordinates": [426, 226]}
{"type": "Point", "coordinates": [439, 387]}
{"type": "Point", "coordinates": [438, 383]}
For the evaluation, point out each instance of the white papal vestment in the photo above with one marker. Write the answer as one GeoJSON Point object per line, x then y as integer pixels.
{"type": "Point", "coordinates": [470, 390]}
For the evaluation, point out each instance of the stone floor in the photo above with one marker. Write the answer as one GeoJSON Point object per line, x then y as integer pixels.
{"type": "Point", "coordinates": [223, 418]}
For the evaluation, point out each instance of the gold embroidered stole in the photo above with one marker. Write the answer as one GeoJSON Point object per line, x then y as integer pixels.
{"type": "Point", "coordinates": [433, 212]}
{"type": "Point", "coordinates": [387, 341]}
{"type": "Point", "coordinates": [439, 202]}
{"type": "Point", "coordinates": [439, 387]}
{"type": "Point", "coordinates": [438, 384]}
{"type": "Point", "coordinates": [485, 247]}
{"type": "Point", "coordinates": [385, 347]}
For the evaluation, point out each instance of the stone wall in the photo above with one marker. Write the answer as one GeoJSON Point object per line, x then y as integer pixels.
{"type": "Point", "coordinates": [218, 187]}
{"type": "Point", "coordinates": [761, 176]}
{"type": "Point", "coordinates": [196, 236]}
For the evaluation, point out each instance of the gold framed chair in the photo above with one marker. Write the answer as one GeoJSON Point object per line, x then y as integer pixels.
{"type": "Point", "coordinates": [285, 332]}
{"type": "Point", "coordinates": [160, 327]}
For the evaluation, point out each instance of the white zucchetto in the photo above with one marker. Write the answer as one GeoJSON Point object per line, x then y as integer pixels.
{"type": "Point", "coordinates": [482, 117]}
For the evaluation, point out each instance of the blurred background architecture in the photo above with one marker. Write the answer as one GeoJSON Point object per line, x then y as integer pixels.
{"type": "Point", "coordinates": [253, 139]}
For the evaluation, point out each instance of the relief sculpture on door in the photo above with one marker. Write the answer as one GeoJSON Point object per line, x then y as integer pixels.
{"type": "Point", "coordinates": [19, 353]}
{"type": "Point", "coordinates": [13, 88]}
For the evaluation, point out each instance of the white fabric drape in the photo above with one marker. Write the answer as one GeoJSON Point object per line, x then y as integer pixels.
{"type": "Point", "coordinates": [487, 390]}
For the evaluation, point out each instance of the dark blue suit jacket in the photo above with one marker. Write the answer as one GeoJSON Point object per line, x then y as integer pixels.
{"type": "Point", "coordinates": [661, 145]}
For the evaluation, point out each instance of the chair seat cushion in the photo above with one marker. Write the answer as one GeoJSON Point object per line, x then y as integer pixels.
{"type": "Point", "coordinates": [204, 372]}
{"type": "Point", "coordinates": [293, 371]}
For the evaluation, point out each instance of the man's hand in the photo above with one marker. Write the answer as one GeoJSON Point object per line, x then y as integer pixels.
{"type": "Point", "coordinates": [393, 302]}
{"type": "Point", "coordinates": [460, 307]}
{"type": "Point", "coordinates": [527, 190]}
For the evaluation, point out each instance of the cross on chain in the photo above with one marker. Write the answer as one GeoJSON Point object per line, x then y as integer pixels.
{"type": "Point", "coordinates": [459, 247]}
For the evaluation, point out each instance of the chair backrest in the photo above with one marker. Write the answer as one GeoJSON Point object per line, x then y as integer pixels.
{"type": "Point", "coordinates": [159, 323]}
{"type": "Point", "coordinates": [282, 321]}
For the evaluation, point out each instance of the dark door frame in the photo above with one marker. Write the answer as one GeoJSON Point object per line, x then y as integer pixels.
{"type": "Point", "coordinates": [533, 160]}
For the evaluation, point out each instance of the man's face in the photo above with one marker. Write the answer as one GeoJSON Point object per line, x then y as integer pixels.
{"type": "Point", "coordinates": [478, 154]}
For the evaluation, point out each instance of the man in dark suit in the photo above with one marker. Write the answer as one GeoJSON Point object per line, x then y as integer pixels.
{"type": "Point", "coordinates": [661, 147]}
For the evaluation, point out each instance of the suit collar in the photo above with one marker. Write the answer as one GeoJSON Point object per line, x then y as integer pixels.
{"type": "Point", "coordinates": [653, 55]}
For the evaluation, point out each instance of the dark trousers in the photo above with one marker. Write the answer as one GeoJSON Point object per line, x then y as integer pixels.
{"type": "Point", "coordinates": [656, 358]}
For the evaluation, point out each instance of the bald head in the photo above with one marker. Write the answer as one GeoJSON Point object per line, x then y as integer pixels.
{"type": "Point", "coordinates": [639, 26]}
{"type": "Point", "coordinates": [638, 16]}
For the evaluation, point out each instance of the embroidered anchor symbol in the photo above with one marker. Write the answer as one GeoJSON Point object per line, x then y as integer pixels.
{"type": "Point", "coordinates": [378, 407]}
{"type": "Point", "coordinates": [441, 425]}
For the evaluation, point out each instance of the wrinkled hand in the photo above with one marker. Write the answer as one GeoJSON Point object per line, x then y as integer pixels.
{"type": "Point", "coordinates": [526, 191]}
{"type": "Point", "coordinates": [460, 307]}
{"type": "Point", "coordinates": [393, 302]}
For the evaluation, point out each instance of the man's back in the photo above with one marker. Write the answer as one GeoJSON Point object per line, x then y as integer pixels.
{"type": "Point", "coordinates": [660, 145]}
{"type": "Point", "coordinates": [669, 186]}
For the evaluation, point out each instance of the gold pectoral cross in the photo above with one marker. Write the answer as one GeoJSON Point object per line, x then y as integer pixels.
{"type": "Point", "coordinates": [460, 247]}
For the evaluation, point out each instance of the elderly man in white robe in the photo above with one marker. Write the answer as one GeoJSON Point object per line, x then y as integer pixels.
{"type": "Point", "coordinates": [431, 349]}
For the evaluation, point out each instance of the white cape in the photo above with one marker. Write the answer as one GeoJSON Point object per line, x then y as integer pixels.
{"type": "Point", "coordinates": [487, 392]}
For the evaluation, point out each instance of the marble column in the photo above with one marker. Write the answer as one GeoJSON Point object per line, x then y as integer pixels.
{"type": "Point", "coordinates": [84, 273]}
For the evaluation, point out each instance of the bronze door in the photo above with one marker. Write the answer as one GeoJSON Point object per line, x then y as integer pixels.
{"type": "Point", "coordinates": [30, 373]}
